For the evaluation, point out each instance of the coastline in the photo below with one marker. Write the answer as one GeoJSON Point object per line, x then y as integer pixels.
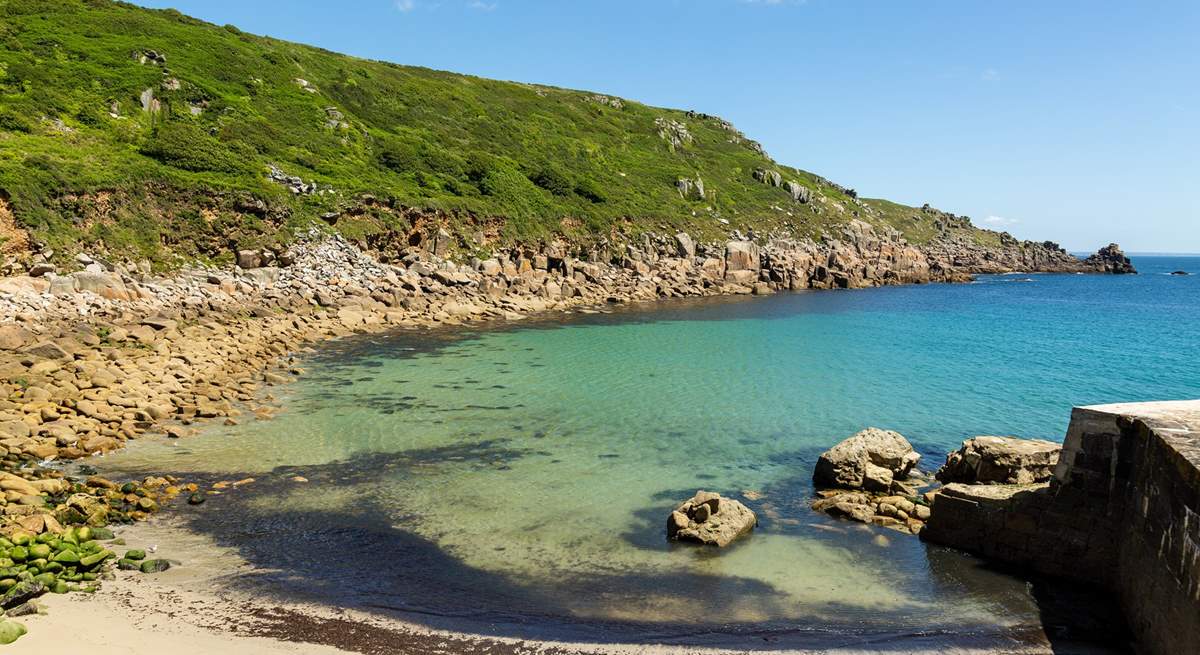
{"type": "Point", "coordinates": [150, 357]}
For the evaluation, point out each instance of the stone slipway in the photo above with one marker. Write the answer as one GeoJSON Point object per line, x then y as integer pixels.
{"type": "Point", "coordinates": [1122, 512]}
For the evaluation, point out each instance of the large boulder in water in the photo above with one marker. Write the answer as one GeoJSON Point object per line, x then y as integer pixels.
{"type": "Point", "coordinates": [710, 519]}
{"type": "Point", "coordinates": [1003, 460]}
{"type": "Point", "coordinates": [870, 460]}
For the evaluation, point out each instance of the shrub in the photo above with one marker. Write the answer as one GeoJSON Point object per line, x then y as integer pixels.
{"type": "Point", "coordinates": [186, 146]}
{"type": "Point", "coordinates": [589, 189]}
{"type": "Point", "coordinates": [552, 180]}
{"type": "Point", "coordinates": [400, 157]}
{"type": "Point", "coordinates": [440, 160]}
{"type": "Point", "coordinates": [11, 121]}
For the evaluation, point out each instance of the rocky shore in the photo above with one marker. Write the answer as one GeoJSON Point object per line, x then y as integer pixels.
{"type": "Point", "coordinates": [95, 357]}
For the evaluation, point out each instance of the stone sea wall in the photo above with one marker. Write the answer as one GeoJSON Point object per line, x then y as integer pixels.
{"type": "Point", "coordinates": [1122, 511]}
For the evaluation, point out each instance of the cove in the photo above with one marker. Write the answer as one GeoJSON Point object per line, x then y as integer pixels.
{"type": "Point", "coordinates": [516, 480]}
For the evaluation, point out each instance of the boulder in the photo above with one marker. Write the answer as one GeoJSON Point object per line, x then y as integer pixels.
{"type": "Point", "coordinates": [248, 259]}
{"type": "Point", "coordinates": [870, 460]}
{"type": "Point", "coordinates": [14, 337]}
{"type": "Point", "coordinates": [105, 285]}
{"type": "Point", "coordinates": [490, 267]}
{"type": "Point", "coordinates": [798, 192]}
{"type": "Point", "coordinates": [853, 505]}
{"type": "Point", "coordinates": [741, 256]}
{"type": "Point", "coordinates": [690, 189]}
{"type": "Point", "coordinates": [94, 512]}
{"type": "Point", "coordinates": [684, 245]}
{"type": "Point", "coordinates": [710, 519]}
{"type": "Point", "coordinates": [770, 178]}
{"type": "Point", "coordinates": [21, 593]}
{"type": "Point", "coordinates": [10, 482]}
{"type": "Point", "coordinates": [48, 350]}
{"type": "Point", "coordinates": [1004, 460]}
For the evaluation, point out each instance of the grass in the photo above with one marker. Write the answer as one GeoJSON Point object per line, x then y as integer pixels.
{"type": "Point", "coordinates": [83, 164]}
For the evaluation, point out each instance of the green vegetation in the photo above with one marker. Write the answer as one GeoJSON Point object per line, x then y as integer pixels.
{"type": "Point", "coordinates": [130, 129]}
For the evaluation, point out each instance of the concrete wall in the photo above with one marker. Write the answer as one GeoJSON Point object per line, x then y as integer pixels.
{"type": "Point", "coordinates": [1122, 511]}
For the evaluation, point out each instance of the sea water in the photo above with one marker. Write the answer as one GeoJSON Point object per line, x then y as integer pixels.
{"type": "Point", "coordinates": [516, 479]}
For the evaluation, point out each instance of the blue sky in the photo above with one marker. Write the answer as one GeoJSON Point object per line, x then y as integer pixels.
{"type": "Point", "coordinates": [1077, 122]}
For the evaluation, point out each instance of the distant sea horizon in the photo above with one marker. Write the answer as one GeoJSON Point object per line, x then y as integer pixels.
{"type": "Point", "coordinates": [1140, 253]}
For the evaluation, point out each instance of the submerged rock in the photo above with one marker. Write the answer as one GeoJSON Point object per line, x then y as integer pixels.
{"type": "Point", "coordinates": [1004, 460]}
{"type": "Point", "coordinates": [711, 519]}
{"type": "Point", "coordinates": [870, 460]}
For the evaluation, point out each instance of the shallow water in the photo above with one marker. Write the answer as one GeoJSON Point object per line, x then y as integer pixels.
{"type": "Point", "coordinates": [517, 480]}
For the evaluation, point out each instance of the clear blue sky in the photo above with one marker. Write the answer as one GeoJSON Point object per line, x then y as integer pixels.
{"type": "Point", "coordinates": [1073, 121]}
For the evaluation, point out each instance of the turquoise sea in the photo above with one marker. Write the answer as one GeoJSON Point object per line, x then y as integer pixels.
{"type": "Point", "coordinates": [516, 479]}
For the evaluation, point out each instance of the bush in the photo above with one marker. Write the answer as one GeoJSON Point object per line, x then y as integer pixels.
{"type": "Point", "coordinates": [589, 189]}
{"type": "Point", "coordinates": [11, 121]}
{"type": "Point", "coordinates": [552, 180]}
{"type": "Point", "coordinates": [516, 195]}
{"type": "Point", "coordinates": [503, 181]}
{"type": "Point", "coordinates": [400, 158]}
{"type": "Point", "coordinates": [186, 146]}
{"type": "Point", "coordinates": [440, 160]}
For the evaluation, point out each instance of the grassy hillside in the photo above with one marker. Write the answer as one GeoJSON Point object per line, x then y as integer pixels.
{"type": "Point", "coordinates": [126, 127]}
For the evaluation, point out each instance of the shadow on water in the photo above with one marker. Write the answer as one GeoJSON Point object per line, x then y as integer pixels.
{"type": "Point", "coordinates": [357, 553]}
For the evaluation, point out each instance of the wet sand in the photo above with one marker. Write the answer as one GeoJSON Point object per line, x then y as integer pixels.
{"type": "Point", "coordinates": [195, 608]}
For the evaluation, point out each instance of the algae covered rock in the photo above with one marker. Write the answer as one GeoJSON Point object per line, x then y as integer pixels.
{"type": "Point", "coordinates": [870, 459]}
{"type": "Point", "coordinates": [22, 592]}
{"type": "Point", "coordinates": [710, 519]}
{"type": "Point", "coordinates": [155, 566]}
{"type": "Point", "coordinates": [10, 631]}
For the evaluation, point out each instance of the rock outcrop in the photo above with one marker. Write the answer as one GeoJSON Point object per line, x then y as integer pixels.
{"type": "Point", "coordinates": [1002, 460]}
{"type": "Point", "coordinates": [708, 518]}
{"type": "Point", "coordinates": [870, 460]}
{"type": "Point", "coordinates": [690, 189]}
{"type": "Point", "coordinates": [1110, 259]}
